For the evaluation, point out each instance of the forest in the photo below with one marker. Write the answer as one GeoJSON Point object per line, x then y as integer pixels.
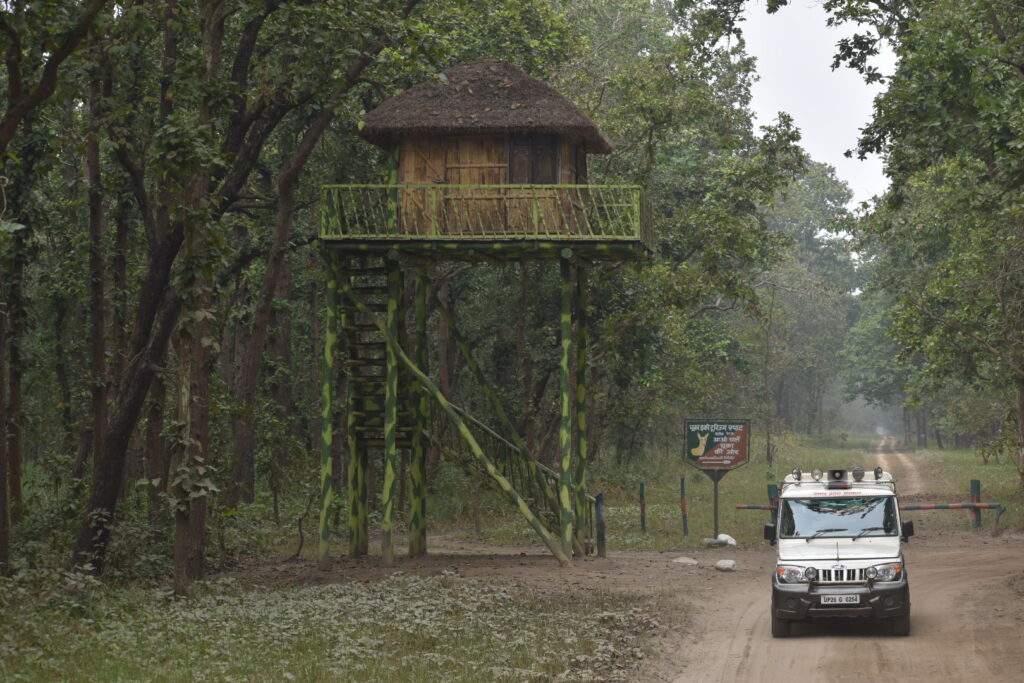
{"type": "Point", "coordinates": [162, 288]}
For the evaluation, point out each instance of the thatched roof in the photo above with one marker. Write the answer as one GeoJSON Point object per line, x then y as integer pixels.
{"type": "Point", "coordinates": [483, 97]}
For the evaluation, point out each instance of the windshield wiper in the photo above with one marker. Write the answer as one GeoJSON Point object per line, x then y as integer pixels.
{"type": "Point", "coordinates": [819, 532]}
{"type": "Point", "coordinates": [867, 529]}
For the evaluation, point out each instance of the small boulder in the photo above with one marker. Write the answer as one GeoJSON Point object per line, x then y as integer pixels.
{"type": "Point", "coordinates": [726, 539]}
{"type": "Point", "coordinates": [726, 565]}
{"type": "Point", "coordinates": [686, 560]}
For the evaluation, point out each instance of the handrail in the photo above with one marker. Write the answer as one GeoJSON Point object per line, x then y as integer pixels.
{"type": "Point", "coordinates": [485, 212]}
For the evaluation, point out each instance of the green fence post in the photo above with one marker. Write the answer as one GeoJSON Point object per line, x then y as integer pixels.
{"type": "Point", "coordinates": [773, 500]}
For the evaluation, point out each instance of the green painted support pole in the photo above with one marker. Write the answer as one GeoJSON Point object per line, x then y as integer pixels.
{"type": "Point", "coordinates": [682, 505]}
{"type": "Point", "coordinates": [553, 544]}
{"type": "Point", "coordinates": [327, 411]}
{"type": "Point", "coordinates": [643, 508]}
{"type": "Point", "coordinates": [421, 404]}
{"type": "Point", "coordinates": [565, 487]}
{"type": "Point", "coordinates": [582, 341]}
{"type": "Point", "coordinates": [387, 547]}
{"type": "Point", "coordinates": [975, 498]}
{"type": "Point", "coordinates": [773, 500]}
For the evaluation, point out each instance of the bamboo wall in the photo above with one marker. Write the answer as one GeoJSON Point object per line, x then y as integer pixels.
{"type": "Point", "coordinates": [479, 161]}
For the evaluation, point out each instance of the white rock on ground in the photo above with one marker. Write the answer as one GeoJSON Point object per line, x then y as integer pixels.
{"type": "Point", "coordinates": [686, 561]}
{"type": "Point", "coordinates": [726, 565]}
{"type": "Point", "coordinates": [727, 539]}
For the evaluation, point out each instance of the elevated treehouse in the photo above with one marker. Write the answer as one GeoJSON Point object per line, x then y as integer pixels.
{"type": "Point", "coordinates": [491, 166]}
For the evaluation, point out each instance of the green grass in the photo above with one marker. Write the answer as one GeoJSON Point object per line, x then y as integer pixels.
{"type": "Point", "coordinates": [403, 628]}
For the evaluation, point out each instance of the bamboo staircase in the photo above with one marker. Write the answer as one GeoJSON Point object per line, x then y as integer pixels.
{"type": "Point", "coordinates": [365, 280]}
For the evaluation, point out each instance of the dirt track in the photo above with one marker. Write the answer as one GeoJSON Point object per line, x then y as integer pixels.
{"type": "Point", "coordinates": [967, 592]}
{"type": "Point", "coordinates": [967, 618]}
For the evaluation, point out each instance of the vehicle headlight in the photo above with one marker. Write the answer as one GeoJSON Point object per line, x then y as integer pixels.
{"type": "Point", "coordinates": [791, 574]}
{"type": "Point", "coordinates": [885, 572]}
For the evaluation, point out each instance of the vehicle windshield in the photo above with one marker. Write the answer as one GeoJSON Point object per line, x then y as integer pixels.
{"type": "Point", "coordinates": [855, 517]}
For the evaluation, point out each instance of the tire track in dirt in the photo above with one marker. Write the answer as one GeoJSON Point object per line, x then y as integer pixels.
{"type": "Point", "coordinates": [903, 466]}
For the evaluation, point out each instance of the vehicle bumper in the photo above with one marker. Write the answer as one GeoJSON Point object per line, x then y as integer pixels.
{"type": "Point", "coordinates": [803, 601]}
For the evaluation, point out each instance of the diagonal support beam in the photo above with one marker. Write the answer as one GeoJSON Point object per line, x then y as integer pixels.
{"type": "Point", "coordinates": [496, 404]}
{"type": "Point", "coordinates": [553, 544]}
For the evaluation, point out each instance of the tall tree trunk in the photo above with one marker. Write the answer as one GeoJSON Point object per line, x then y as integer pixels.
{"type": "Point", "coordinates": [60, 367]}
{"type": "Point", "coordinates": [1020, 431]}
{"type": "Point", "coordinates": [922, 427]}
{"type": "Point", "coordinates": [5, 524]}
{"type": "Point", "coordinates": [15, 418]}
{"type": "Point", "coordinates": [156, 447]}
{"type": "Point", "coordinates": [97, 278]}
{"type": "Point", "coordinates": [316, 350]}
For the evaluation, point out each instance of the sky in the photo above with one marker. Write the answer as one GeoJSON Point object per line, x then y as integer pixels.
{"type": "Point", "coordinates": [794, 50]}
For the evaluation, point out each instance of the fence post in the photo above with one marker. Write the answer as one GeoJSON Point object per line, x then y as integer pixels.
{"type": "Point", "coordinates": [975, 498]}
{"type": "Point", "coordinates": [599, 512]}
{"type": "Point", "coordinates": [773, 500]}
{"type": "Point", "coordinates": [643, 509]}
{"type": "Point", "coordinates": [682, 505]}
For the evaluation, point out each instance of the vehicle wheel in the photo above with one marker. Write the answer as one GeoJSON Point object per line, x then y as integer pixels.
{"type": "Point", "coordinates": [900, 625]}
{"type": "Point", "coordinates": [780, 627]}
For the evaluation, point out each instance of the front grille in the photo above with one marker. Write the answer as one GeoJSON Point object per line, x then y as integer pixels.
{"type": "Point", "coordinates": [841, 576]}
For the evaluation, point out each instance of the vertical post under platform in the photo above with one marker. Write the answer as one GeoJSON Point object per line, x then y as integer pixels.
{"type": "Point", "coordinates": [582, 341]}
{"type": "Point", "coordinates": [390, 416]}
{"type": "Point", "coordinates": [418, 464]}
{"type": "Point", "coordinates": [327, 410]}
{"type": "Point", "coordinates": [565, 486]}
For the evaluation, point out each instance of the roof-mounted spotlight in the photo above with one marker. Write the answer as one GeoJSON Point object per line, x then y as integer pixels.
{"type": "Point", "coordinates": [858, 474]}
{"type": "Point", "coordinates": [816, 474]}
{"type": "Point", "coordinates": [796, 473]}
{"type": "Point", "coordinates": [878, 473]}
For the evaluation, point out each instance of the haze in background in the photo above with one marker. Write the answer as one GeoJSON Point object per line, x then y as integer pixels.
{"type": "Point", "coordinates": [794, 50]}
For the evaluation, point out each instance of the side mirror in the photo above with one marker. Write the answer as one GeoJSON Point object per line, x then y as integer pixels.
{"type": "Point", "coordinates": [907, 529]}
{"type": "Point", "coordinates": [769, 532]}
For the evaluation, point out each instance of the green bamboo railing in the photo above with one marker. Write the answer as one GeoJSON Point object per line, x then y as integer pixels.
{"type": "Point", "coordinates": [485, 212]}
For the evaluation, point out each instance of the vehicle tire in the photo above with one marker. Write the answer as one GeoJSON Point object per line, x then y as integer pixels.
{"type": "Point", "coordinates": [900, 625]}
{"type": "Point", "coordinates": [780, 627]}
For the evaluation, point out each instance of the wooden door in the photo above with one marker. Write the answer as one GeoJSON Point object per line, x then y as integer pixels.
{"type": "Point", "coordinates": [480, 162]}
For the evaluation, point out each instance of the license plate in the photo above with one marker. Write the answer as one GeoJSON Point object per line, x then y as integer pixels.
{"type": "Point", "coordinates": [840, 599]}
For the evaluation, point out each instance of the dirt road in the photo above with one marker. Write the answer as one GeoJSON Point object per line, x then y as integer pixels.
{"type": "Point", "coordinates": [967, 618]}
{"type": "Point", "coordinates": [967, 592]}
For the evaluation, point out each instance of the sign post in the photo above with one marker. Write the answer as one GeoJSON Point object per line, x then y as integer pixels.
{"type": "Point", "coordinates": [717, 447]}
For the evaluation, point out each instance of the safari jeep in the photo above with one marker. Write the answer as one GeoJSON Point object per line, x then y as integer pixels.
{"type": "Point", "coordinates": [838, 534]}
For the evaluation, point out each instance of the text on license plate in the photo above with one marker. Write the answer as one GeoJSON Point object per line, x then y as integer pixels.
{"type": "Point", "coordinates": [840, 599]}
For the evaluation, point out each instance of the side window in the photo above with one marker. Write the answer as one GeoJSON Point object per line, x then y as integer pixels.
{"type": "Point", "coordinates": [533, 159]}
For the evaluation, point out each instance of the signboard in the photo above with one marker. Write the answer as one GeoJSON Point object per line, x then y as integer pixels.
{"type": "Point", "coordinates": [717, 444]}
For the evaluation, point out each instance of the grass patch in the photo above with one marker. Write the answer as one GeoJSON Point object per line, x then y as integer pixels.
{"type": "Point", "coordinates": [404, 628]}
